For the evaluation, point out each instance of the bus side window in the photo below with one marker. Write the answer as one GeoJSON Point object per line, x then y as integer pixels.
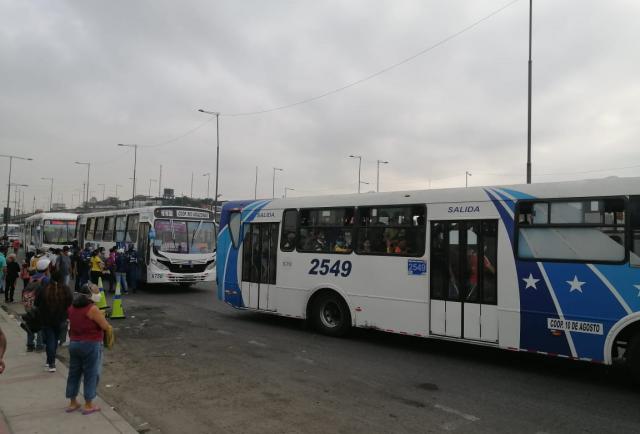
{"type": "Point", "coordinates": [634, 257]}
{"type": "Point", "coordinates": [289, 230]}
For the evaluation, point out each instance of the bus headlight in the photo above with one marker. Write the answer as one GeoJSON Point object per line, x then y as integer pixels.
{"type": "Point", "coordinates": [159, 264]}
{"type": "Point", "coordinates": [211, 266]}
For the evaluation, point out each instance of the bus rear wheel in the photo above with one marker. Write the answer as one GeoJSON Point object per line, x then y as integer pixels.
{"type": "Point", "coordinates": [330, 315]}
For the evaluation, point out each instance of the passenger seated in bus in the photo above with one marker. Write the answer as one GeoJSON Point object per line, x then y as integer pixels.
{"type": "Point", "coordinates": [366, 246]}
{"type": "Point", "coordinates": [401, 247]}
{"type": "Point", "coordinates": [306, 241]}
{"type": "Point", "coordinates": [341, 246]}
{"type": "Point", "coordinates": [290, 242]}
{"type": "Point", "coordinates": [320, 243]}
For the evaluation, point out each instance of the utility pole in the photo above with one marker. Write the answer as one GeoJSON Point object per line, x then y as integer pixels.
{"type": "Point", "coordinates": [529, 101]}
{"type": "Point", "coordinates": [255, 187]}
{"type": "Point", "coordinates": [7, 215]}
{"type": "Point", "coordinates": [191, 185]}
{"type": "Point", "coordinates": [208, 175]}
{"type": "Point", "coordinates": [273, 185]}
{"type": "Point", "coordinates": [103, 187]}
{"type": "Point", "coordinates": [379, 162]}
{"type": "Point", "coordinates": [135, 164]}
{"type": "Point", "coordinates": [466, 178]}
{"type": "Point", "coordinates": [217, 115]}
{"type": "Point", "coordinates": [160, 183]}
{"type": "Point", "coordinates": [88, 164]}
{"type": "Point", "coordinates": [359, 157]}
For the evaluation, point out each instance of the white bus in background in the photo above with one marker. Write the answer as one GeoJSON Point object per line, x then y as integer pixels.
{"type": "Point", "coordinates": [49, 230]}
{"type": "Point", "coordinates": [546, 268]}
{"type": "Point", "coordinates": [174, 244]}
{"type": "Point", "coordinates": [14, 232]}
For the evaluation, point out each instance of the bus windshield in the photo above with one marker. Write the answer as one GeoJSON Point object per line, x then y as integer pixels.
{"type": "Point", "coordinates": [179, 236]}
{"type": "Point", "coordinates": [59, 231]}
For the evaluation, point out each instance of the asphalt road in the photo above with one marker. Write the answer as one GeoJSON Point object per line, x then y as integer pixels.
{"type": "Point", "coordinates": [185, 362]}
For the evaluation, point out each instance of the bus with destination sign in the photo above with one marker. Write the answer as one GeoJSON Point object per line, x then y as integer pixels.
{"type": "Point", "coordinates": [548, 268]}
{"type": "Point", "coordinates": [49, 230]}
{"type": "Point", "coordinates": [174, 244]}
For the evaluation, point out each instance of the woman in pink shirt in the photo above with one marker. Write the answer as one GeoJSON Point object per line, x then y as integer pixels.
{"type": "Point", "coordinates": [87, 326]}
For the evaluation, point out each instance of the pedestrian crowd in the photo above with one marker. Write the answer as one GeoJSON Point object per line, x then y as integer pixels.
{"type": "Point", "coordinates": [54, 311]}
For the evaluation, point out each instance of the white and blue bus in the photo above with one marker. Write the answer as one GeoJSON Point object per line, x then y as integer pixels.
{"type": "Point", "coordinates": [174, 244]}
{"type": "Point", "coordinates": [548, 268]}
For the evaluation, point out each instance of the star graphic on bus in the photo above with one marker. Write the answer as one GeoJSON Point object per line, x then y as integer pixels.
{"type": "Point", "coordinates": [638, 288]}
{"type": "Point", "coordinates": [531, 282]}
{"type": "Point", "coordinates": [575, 284]}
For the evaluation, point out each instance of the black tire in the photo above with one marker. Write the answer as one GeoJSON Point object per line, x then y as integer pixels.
{"type": "Point", "coordinates": [330, 315]}
{"type": "Point", "coordinates": [633, 357]}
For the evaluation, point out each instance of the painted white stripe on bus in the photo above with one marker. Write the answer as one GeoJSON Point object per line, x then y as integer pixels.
{"type": "Point", "coordinates": [613, 290]}
{"type": "Point", "coordinates": [558, 308]}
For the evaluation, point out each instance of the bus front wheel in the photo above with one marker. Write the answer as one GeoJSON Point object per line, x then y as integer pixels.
{"type": "Point", "coordinates": [330, 315]}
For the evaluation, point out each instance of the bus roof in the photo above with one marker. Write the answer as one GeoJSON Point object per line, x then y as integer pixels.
{"type": "Point", "coordinates": [52, 216]}
{"type": "Point", "coordinates": [140, 210]}
{"type": "Point", "coordinates": [611, 186]}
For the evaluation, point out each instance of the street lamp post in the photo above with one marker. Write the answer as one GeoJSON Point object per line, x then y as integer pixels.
{"type": "Point", "coordinates": [287, 189]}
{"type": "Point", "coordinates": [208, 175]}
{"type": "Point", "coordinates": [379, 162]}
{"type": "Point", "coordinates": [217, 115]}
{"type": "Point", "coordinates": [50, 193]}
{"type": "Point", "coordinates": [359, 157]}
{"type": "Point", "coordinates": [135, 163]}
{"type": "Point", "coordinates": [103, 188]}
{"type": "Point", "coordinates": [273, 185]}
{"type": "Point", "coordinates": [8, 215]}
{"type": "Point", "coordinates": [466, 178]}
{"type": "Point", "coordinates": [88, 164]}
{"type": "Point", "coordinates": [529, 101]}
{"type": "Point", "coordinates": [150, 181]}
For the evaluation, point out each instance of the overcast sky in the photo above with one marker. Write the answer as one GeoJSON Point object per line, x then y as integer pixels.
{"type": "Point", "coordinates": [78, 77]}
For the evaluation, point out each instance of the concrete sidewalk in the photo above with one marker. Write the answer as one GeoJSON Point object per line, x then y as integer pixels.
{"type": "Point", "coordinates": [32, 400]}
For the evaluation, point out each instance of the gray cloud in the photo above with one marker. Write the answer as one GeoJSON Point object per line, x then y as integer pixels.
{"type": "Point", "coordinates": [79, 77]}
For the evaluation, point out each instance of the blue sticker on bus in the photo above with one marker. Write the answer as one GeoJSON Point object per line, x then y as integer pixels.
{"type": "Point", "coordinates": [416, 267]}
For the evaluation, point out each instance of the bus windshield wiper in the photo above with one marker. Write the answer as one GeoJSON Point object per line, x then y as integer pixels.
{"type": "Point", "coordinates": [195, 235]}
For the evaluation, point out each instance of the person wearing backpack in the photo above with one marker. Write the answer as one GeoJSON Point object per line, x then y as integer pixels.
{"type": "Point", "coordinates": [29, 294]}
{"type": "Point", "coordinates": [52, 301]}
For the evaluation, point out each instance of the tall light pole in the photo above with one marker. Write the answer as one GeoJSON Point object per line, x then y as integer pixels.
{"type": "Point", "coordinates": [103, 188]}
{"type": "Point", "coordinates": [359, 157]}
{"type": "Point", "coordinates": [7, 216]}
{"type": "Point", "coordinates": [50, 193]}
{"type": "Point", "coordinates": [16, 200]}
{"type": "Point", "coordinates": [379, 162]}
{"type": "Point", "coordinates": [208, 175]}
{"type": "Point", "coordinates": [135, 163]}
{"type": "Point", "coordinates": [160, 182]}
{"type": "Point", "coordinates": [217, 115]}
{"type": "Point", "coordinates": [150, 181]}
{"type": "Point", "coordinates": [117, 185]}
{"type": "Point", "coordinates": [529, 101]}
{"type": "Point", "coordinates": [255, 186]}
{"type": "Point", "coordinates": [288, 189]}
{"type": "Point", "coordinates": [466, 178]}
{"type": "Point", "coordinates": [88, 164]}
{"type": "Point", "coordinates": [273, 185]}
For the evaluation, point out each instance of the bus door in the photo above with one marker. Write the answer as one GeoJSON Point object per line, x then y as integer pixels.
{"type": "Point", "coordinates": [259, 260]}
{"type": "Point", "coordinates": [463, 295]}
{"type": "Point", "coordinates": [143, 250]}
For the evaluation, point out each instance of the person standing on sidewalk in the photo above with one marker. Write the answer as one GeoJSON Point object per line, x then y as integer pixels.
{"type": "Point", "coordinates": [29, 294]}
{"type": "Point", "coordinates": [13, 271]}
{"type": "Point", "coordinates": [3, 348]}
{"type": "Point", "coordinates": [63, 266]}
{"type": "Point", "coordinates": [86, 331]}
{"type": "Point", "coordinates": [132, 270]}
{"type": "Point", "coordinates": [3, 266]}
{"type": "Point", "coordinates": [53, 303]}
{"type": "Point", "coordinates": [97, 265]}
{"type": "Point", "coordinates": [122, 265]}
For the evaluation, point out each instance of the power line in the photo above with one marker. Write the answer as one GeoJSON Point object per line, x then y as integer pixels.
{"type": "Point", "coordinates": [379, 72]}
